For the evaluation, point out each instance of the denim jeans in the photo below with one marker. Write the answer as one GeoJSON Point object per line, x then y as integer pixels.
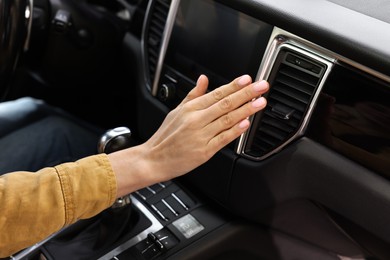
{"type": "Point", "coordinates": [34, 135]}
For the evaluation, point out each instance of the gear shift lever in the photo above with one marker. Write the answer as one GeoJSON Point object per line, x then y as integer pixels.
{"type": "Point", "coordinates": [113, 140]}
{"type": "Point", "coordinates": [110, 227]}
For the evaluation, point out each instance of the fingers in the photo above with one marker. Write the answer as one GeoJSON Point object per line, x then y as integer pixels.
{"type": "Point", "coordinates": [229, 129]}
{"type": "Point", "coordinates": [218, 94]}
{"type": "Point", "coordinates": [236, 116]}
{"type": "Point", "coordinates": [223, 112]}
{"type": "Point", "coordinates": [230, 115]}
{"type": "Point", "coordinates": [199, 90]}
{"type": "Point", "coordinates": [227, 136]}
{"type": "Point", "coordinates": [235, 100]}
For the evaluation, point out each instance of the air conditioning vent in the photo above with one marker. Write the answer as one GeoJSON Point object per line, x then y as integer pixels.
{"type": "Point", "coordinates": [294, 80]}
{"type": "Point", "coordinates": [158, 14]}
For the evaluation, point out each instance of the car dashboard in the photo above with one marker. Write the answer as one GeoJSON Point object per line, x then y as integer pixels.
{"type": "Point", "coordinates": [309, 179]}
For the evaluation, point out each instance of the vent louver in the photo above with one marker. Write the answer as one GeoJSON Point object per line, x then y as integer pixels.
{"type": "Point", "coordinates": [294, 80]}
{"type": "Point", "coordinates": [154, 33]}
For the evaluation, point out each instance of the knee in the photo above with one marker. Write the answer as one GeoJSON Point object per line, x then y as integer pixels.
{"type": "Point", "coordinates": [30, 103]}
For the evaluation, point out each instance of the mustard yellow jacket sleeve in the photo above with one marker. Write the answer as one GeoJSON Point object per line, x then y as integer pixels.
{"type": "Point", "coordinates": [33, 205]}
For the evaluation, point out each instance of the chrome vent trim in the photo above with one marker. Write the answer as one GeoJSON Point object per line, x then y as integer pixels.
{"type": "Point", "coordinates": [293, 94]}
{"type": "Point", "coordinates": [157, 29]}
{"type": "Point", "coordinates": [158, 18]}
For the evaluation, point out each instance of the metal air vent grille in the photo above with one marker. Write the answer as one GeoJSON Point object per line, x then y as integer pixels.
{"type": "Point", "coordinates": [154, 34]}
{"type": "Point", "coordinates": [294, 81]}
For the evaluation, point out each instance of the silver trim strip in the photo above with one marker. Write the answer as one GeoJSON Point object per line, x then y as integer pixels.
{"type": "Point", "coordinates": [179, 201]}
{"type": "Point", "coordinates": [158, 212]}
{"type": "Point", "coordinates": [156, 226]}
{"type": "Point", "coordinates": [169, 207]}
{"type": "Point", "coordinates": [164, 44]}
{"type": "Point", "coordinates": [263, 73]}
{"type": "Point", "coordinates": [143, 54]}
{"type": "Point", "coordinates": [171, 79]}
{"type": "Point", "coordinates": [151, 190]}
{"type": "Point", "coordinates": [278, 41]}
{"type": "Point", "coordinates": [139, 194]}
{"type": "Point", "coordinates": [363, 68]}
{"type": "Point", "coordinates": [29, 16]}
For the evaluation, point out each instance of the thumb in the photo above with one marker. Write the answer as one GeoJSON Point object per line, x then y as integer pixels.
{"type": "Point", "coordinates": [199, 90]}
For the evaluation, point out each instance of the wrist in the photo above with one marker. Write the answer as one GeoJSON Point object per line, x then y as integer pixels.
{"type": "Point", "coordinates": [133, 169]}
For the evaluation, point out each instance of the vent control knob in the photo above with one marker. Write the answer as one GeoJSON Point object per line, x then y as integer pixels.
{"type": "Point", "coordinates": [167, 92]}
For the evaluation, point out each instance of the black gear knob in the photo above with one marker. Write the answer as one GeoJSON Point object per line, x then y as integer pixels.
{"type": "Point", "coordinates": [115, 139]}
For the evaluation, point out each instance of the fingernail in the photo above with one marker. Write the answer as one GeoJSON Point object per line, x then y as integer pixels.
{"type": "Point", "coordinates": [244, 80]}
{"type": "Point", "coordinates": [197, 82]}
{"type": "Point", "coordinates": [244, 124]}
{"type": "Point", "coordinates": [260, 86]}
{"type": "Point", "coordinates": [259, 102]}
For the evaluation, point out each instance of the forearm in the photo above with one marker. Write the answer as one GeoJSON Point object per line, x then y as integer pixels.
{"type": "Point", "coordinates": [35, 205]}
{"type": "Point", "coordinates": [133, 169]}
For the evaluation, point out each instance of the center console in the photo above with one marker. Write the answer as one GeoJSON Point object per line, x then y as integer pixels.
{"type": "Point", "coordinates": [177, 220]}
{"type": "Point", "coordinates": [161, 220]}
{"type": "Point", "coordinates": [155, 221]}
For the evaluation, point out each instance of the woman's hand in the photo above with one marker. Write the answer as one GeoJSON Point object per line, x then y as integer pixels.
{"type": "Point", "coordinates": [193, 132]}
{"type": "Point", "coordinates": [203, 124]}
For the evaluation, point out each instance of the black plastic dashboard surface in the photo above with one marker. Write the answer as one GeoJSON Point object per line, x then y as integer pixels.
{"type": "Point", "coordinates": [307, 169]}
{"type": "Point", "coordinates": [353, 118]}
{"type": "Point", "coordinates": [354, 35]}
{"type": "Point", "coordinates": [224, 44]}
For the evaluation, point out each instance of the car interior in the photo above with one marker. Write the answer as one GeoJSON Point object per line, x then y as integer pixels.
{"type": "Point", "coordinates": [310, 179]}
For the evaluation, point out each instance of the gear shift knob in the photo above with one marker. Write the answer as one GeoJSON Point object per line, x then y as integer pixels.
{"type": "Point", "coordinates": [114, 140]}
